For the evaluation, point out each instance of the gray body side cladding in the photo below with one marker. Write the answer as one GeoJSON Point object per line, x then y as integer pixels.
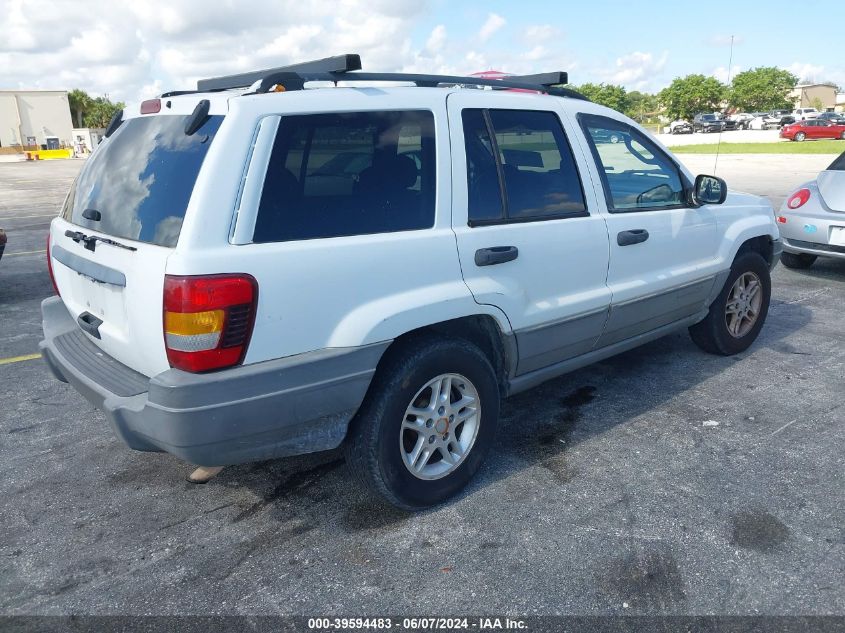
{"type": "Point", "coordinates": [295, 405]}
{"type": "Point", "coordinates": [624, 327]}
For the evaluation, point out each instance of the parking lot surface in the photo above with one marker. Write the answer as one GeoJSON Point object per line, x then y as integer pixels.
{"type": "Point", "coordinates": [663, 481]}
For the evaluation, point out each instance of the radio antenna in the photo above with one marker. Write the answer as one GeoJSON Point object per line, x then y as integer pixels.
{"type": "Point", "coordinates": [719, 142]}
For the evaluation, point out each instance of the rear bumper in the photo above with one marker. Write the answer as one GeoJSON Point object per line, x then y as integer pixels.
{"type": "Point", "coordinates": [814, 248]}
{"type": "Point", "coordinates": [295, 405]}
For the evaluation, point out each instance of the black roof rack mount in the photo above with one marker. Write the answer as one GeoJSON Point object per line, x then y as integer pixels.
{"type": "Point", "coordinates": [336, 64]}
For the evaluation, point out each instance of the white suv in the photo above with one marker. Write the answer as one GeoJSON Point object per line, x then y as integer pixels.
{"type": "Point", "coordinates": [802, 114]}
{"type": "Point", "coordinates": [251, 273]}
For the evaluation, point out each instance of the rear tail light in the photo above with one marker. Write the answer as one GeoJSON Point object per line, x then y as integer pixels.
{"type": "Point", "coordinates": [208, 320]}
{"type": "Point", "coordinates": [798, 199]}
{"type": "Point", "coordinates": [50, 267]}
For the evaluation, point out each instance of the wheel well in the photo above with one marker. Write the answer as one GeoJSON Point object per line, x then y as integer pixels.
{"type": "Point", "coordinates": [480, 330]}
{"type": "Point", "coordinates": [761, 244]}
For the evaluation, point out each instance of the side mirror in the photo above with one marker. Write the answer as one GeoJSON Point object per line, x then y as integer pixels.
{"type": "Point", "coordinates": [709, 190]}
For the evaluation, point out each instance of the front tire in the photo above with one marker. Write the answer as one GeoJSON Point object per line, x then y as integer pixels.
{"type": "Point", "coordinates": [737, 315]}
{"type": "Point", "coordinates": [797, 261]}
{"type": "Point", "coordinates": [800, 136]}
{"type": "Point", "coordinates": [426, 423]}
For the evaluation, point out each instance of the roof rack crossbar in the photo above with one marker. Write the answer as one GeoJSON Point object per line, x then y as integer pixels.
{"type": "Point", "coordinates": [336, 64]}
{"type": "Point", "coordinates": [295, 80]}
{"type": "Point", "coordinates": [557, 78]}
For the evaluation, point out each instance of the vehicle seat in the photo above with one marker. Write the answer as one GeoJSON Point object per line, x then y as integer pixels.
{"type": "Point", "coordinates": [280, 205]}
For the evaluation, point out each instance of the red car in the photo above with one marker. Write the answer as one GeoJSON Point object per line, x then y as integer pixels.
{"type": "Point", "coordinates": [812, 128]}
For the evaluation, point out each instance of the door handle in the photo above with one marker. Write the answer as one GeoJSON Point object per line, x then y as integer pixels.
{"type": "Point", "coordinates": [495, 255]}
{"type": "Point", "coordinates": [634, 236]}
{"type": "Point", "coordinates": [90, 323]}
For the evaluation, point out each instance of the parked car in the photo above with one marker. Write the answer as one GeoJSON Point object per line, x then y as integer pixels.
{"type": "Point", "coordinates": [2, 242]}
{"type": "Point", "coordinates": [217, 307]}
{"type": "Point", "coordinates": [680, 127]}
{"type": "Point", "coordinates": [832, 117]}
{"type": "Point", "coordinates": [707, 123]}
{"type": "Point", "coordinates": [741, 120]}
{"type": "Point", "coordinates": [761, 121]}
{"type": "Point", "coordinates": [811, 219]}
{"type": "Point", "coordinates": [812, 129]}
{"type": "Point", "coordinates": [803, 114]}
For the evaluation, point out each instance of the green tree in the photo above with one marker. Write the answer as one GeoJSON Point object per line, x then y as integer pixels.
{"type": "Point", "coordinates": [687, 96]}
{"type": "Point", "coordinates": [101, 112]}
{"type": "Point", "coordinates": [762, 89]}
{"type": "Point", "coordinates": [641, 105]}
{"type": "Point", "coordinates": [605, 94]}
{"type": "Point", "coordinates": [80, 103]}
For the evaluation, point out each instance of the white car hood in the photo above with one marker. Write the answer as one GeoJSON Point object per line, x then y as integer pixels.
{"type": "Point", "coordinates": [831, 186]}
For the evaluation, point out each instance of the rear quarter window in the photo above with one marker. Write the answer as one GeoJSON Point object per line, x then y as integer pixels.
{"type": "Point", "coordinates": [141, 178]}
{"type": "Point", "coordinates": [351, 173]}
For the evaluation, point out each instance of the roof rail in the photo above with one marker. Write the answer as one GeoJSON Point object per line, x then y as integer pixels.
{"type": "Point", "coordinates": [296, 80]}
{"type": "Point", "coordinates": [336, 64]}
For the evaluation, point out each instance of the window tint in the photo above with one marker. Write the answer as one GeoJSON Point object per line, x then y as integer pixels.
{"type": "Point", "coordinates": [838, 164]}
{"type": "Point", "coordinates": [485, 196]}
{"type": "Point", "coordinates": [531, 153]}
{"type": "Point", "coordinates": [636, 174]}
{"type": "Point", "coordinates": [354, 173]}
{"type": "Point", "coordinates": [141, 178]}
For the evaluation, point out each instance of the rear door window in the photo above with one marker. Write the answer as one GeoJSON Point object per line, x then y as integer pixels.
{"type": "Point", "coordinates": [351, 173]}
{"type": "Point", "coordinates": [141, 178]}
{"type": "Point", "coordinates": [520, 167]}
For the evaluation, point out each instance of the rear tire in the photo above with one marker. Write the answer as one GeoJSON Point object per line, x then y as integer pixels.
{"type": "Point", "coordinates": [385, 433]}
{"type": "Point", "coordinates": [797, 261]}
{"type": "Point", "coordinates": [737, 315]}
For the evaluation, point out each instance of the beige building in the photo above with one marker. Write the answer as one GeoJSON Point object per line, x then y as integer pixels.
{"type": "Point", "coordinates": [35, 117]}
{"type": "Point", "coordinates": [810, 95]}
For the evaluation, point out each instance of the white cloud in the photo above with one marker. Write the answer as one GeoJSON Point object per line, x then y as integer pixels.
{"type": "Point", "coordinates": [436, 41]}
{"type": "Point", "coordinates": [721, 73]}
{"type": "Point", "coordinates": [635, 71]}
{"type": "Point", "coordinates": [126, 49]}
{"type": "Point", "coordinates": [807, 72]}
{"type": "Point", "coordinates": [725, 40]}
{"type": "Point", "coordinates": [494, 23]}
{"type": "Point", "coordinates": [539, 33]}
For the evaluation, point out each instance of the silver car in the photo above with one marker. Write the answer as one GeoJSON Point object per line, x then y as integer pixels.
{"type": "Point", "coordinates": [812, 220]}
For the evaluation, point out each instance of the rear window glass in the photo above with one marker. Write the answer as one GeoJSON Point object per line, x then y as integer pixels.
{"type": "Point", "coordinates": [141, 178]}
{"type": "Point", "coordinates": [351, 173]}
{"type": "Point", "coordinates": [838, 164]}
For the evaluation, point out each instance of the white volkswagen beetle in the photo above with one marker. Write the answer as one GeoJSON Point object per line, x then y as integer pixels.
{"type": "Point", "coordinates": [812, 220]}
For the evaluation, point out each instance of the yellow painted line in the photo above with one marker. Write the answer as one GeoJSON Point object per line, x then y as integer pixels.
{"type": "Point", "coordinates": [24, 253]}
{"type": "Point", "coordinates": [18, 359]}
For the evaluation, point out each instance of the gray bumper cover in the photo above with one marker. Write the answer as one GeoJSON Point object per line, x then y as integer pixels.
{"type": "Point", "coordinates": [295, 405]}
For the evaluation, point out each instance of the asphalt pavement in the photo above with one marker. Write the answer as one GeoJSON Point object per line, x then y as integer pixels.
{"type": "Point", "coordinates": [663, 481]}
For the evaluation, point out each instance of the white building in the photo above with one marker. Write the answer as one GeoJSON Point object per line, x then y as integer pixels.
{"type": "Point", "coordinates": [35, 117]}
{"type": "Point", "coordinates": [86, 139]}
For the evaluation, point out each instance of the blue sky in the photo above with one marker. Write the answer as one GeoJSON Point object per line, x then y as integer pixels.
{"type": "Point", "coordinates": [131, 49]}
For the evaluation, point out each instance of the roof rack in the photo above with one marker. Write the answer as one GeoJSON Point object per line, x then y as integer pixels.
{"type": "Point", "coordinates": [336, 64]}
{"type": "Point", "coordinates": [338, 68]}
{"type": "Point", "coordinates": [548, 83]}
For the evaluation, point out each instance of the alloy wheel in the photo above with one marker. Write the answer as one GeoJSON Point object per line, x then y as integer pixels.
{"type": "Point", "coordinates": [440, 426]}
{"type": "Point", "coordinates": [743, 304]}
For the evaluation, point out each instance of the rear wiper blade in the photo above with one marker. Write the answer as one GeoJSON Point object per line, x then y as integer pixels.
{"type": "Point", "coordinates": [90, 241]}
